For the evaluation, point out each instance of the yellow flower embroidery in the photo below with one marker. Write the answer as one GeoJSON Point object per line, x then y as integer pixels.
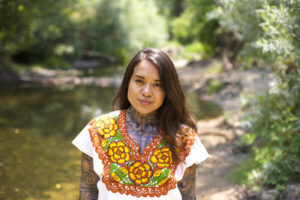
{"type": "Point", "coordinates": [124, 170]}
{"type": "Point", "coordinates": [157, 173]}
{"type": "Point", "coordinates": [162, 157]}
{"type": "Point", "coordinates": [115, 177]}
{"type": "Point", "coordinates": [119, 152]}
{"type": "Point", "coordinates": [163, 181]}
{"type": "Point", "coordinates": [107, 127]}
{"type": "Point", "coordinates": [140, 173]}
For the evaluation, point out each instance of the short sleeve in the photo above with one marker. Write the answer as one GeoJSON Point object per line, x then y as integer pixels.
{"type": "Point", "coordinates": [83, 141]}
{"type": "Point", "coordinates": [197, 154]}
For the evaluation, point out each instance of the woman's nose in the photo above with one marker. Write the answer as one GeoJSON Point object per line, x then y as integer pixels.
{"type": "Point", "coordinates": [146, 91]}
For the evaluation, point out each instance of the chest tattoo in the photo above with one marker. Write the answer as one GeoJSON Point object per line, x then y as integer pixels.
{"type": "Point", "coordinates": [141, 132]}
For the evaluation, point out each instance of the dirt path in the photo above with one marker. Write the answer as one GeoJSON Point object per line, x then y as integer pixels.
{"type": "Point", "coordinates": [212, 181]}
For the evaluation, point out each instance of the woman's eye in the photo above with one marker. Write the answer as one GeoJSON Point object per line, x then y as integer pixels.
{"type": "Point", "coordinates": [139, 81]}
{"type": "Point", "coordinates": [156, 84]}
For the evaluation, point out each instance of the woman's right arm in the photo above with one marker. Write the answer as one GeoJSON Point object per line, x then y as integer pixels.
{"type": "Point", "coordinates": [89, 179]}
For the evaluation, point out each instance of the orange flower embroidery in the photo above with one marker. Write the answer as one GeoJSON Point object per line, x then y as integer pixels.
{"type": "Point", "coordinates": [119, 152]}
{"type": "Point", "coordinates": [107, 127]}
{"type": "Point", "coordinates": [162, 157]}
{"type": "Point", "coordinates": [140, 173]}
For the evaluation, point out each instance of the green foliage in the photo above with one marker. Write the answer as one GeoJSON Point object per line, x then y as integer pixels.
{"type": "Point", "coordinates": [180, 28]}
{"type": "Point", "coordinates": [195, 47]}
{"type": "Point", "coordinates": [193, 26]}
{"type": "Point", "coordinates": [271, 31]}
{"type": "Point", "coordinates": [36, 32]}
{"type": "Point", "coordinates": [33, 27]}
{"type": "Point", "coordinates": [143, 29]}
{"type": "Point", "coordinates": [119, 28]}
{"type": "Point", "coordinates": [170, 8]}
{"type": "Point", "coordinates": [245, 173]}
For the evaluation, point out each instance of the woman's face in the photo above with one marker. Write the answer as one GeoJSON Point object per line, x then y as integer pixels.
{"type": "Point", "coordinates": [145, 93]}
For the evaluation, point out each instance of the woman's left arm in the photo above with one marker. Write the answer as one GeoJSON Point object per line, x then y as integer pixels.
{"type": "Point", "coordinates": [187, 185]}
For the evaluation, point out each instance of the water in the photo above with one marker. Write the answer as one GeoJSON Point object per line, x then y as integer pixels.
{"type": "Point", "coordinates": [37, 125]}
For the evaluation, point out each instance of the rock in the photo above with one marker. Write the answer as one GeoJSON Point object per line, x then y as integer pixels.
{"type": "Point", "coordinates": [292, 192]}
{"type": "Point", "coordinates": [180, 63]}
{"type": "Point", "coordinates": [85, 64]}
{"type": "Point", "coordinates": [268, 195]}
{"type": "Point", "coordinates": [60, 77]}
{"type": "Point", "coordinates": [9, 77]}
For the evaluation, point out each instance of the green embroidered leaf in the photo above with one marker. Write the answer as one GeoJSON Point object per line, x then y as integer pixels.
{"type": "Point", "coordinates": [155, 180]}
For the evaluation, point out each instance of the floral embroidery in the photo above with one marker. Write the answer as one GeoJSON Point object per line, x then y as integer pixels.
{"type": "Point", "coordinates": [119, 152]}
{"type": "Point", "coordinates": [157, 173]}
{"type": "Point", "coordinates": [162, 157]}
{"type": "Point", "coordinates": [163, 181]}
{"type": "Point", "coordinates": [115, 177]}
{"type": "Point", "coordinates": [125, 170]}
{"type": "Point", "coordinates": [140, 173]}
{"type": "Point", "coordinates": [107, 127]}
{"type": "Point", "coordinates": [188, 139]}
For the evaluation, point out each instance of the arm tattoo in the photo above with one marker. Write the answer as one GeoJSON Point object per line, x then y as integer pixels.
{"type": "Point", "coordinates": [187, 185]}
{"type": "Point", "coordinates": [89, 179]}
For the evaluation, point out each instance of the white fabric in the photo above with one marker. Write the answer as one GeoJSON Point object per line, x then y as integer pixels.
{"type": "Point", "coordinates": [83, 142]}
{"type": "Point", "coordinates": [197, 155]}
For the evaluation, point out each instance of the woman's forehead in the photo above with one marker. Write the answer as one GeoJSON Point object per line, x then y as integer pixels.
{"type": "Point", "coordinates": [146, 69]}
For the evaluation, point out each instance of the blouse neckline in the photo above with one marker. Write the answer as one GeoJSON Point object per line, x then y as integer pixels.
{"type": "Point", "coordinates": [132, 144]}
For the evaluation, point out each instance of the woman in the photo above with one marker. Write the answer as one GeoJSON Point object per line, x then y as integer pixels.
{"type": "Point", "coordinates": [142, 150]}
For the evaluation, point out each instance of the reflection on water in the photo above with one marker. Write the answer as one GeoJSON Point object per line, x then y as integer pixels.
{"type": "Point", "coordinates": [37, 160]}
{"type": "Point", "coordinates": [37, 125]}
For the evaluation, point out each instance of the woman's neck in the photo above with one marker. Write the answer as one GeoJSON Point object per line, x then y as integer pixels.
{"type": "Point", "coordinates": [150, 118]}
{"type": "Point", "coordinates": [141, 128]}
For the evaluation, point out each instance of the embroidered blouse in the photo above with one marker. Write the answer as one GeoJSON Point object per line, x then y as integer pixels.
{"type": "Point", "coordinates": [124, 172]}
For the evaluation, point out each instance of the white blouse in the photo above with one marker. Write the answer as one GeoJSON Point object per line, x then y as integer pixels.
{"type": "Point", "coordinates": [84, 143]}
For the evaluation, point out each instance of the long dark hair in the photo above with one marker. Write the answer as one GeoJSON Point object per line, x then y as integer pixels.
{"type": "Point", "coordinates": [173, 112]}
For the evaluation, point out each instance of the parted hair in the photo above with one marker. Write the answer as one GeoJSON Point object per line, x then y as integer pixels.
{"type": "Point", "coordinates": [173, 112]}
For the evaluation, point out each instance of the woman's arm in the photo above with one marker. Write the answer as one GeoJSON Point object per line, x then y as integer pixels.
{"type": "Point", "coordinates": [187, 185]}
{"type": "Point", "coordinates": [89, 179]}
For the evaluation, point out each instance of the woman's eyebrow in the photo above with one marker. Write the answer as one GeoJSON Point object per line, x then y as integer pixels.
{"type": "Point", "coordinates": [138, 76]}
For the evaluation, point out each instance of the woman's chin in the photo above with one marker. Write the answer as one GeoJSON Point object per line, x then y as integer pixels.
{"type": "Point", "coordinates": [143, 111]}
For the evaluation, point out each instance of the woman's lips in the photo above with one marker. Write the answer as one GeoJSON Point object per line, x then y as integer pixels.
{"type": "Point", "coordinates": [144, 102]}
